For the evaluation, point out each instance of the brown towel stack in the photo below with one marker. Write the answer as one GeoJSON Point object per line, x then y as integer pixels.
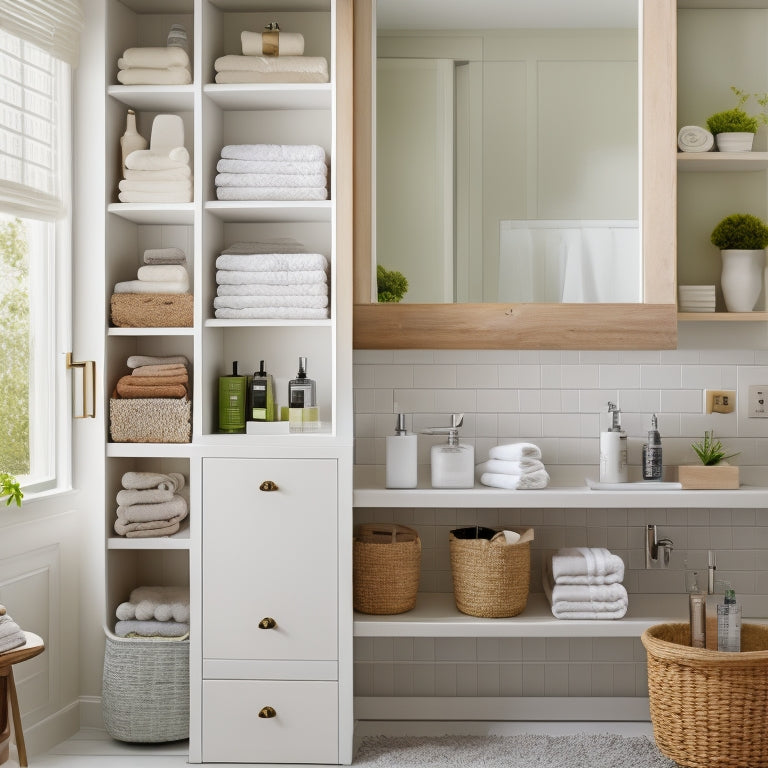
{"type": "Point", "coordinates": [155, 380]}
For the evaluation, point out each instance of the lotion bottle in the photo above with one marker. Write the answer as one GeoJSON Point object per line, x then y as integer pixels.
{"type": "Point", "coordinates": [452, 463]}
{"type": "Point", "coordinates": [613, 450]}
{"type": "Point", "coordinates": [729, 623]}
{"type": "Point", "coordinates": [131, 140]}
{"type": "Point", "coordinates": [652, 464]}
{"type": "Point", "coordinates": [402, 457]}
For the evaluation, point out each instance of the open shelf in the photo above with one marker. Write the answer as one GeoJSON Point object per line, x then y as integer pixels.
{"type": "Point", "coordinates": [150, 331]}
{"type": "Point", "coordinates": [270, 96]}
{"type": "Point", "coordinates": [689, 162]}
{"type": "Point", "coordinates": [179, 540]}
{"type": "Point", "coordinates": [722, 317]}
{"type": "Point", "coordinates": [154, 213]}
{"type": "Point", "coordinates": [154, 98]}
{"type": "Point", "coordinates": [270, 211]}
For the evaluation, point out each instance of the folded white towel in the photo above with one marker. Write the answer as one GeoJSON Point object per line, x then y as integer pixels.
{"type": "Point", "coordinates": [144, 286]}
{"type": "Point", "coordinates": [288, 44]}
{"type": "Point", "coordinates": [272, 262]}
{"type": "Point", "coordinates": [136, 628]}
{"type": "Point", "coordinates": [163, 273]}
{"type": "Point", "coordinates": [155, 197]}
{"type": "Point", "coordinates": [183, 173]}
{"type": "Point", "coordinates": [270, 180]}
{"type": "Point", "coordinates": [135, 361]}
{"type": "Point", "coordinates": [183, 188]}
{"type": "Point", "coordinates": [587, 565]}
{"type": "Point", "coordinates": [152, 160]}
{"type": "Point", "coordinates": [290, 152]}
{"type": "Point", "coordinates": [272, 313]}
{"type": "Point", "coordinates": [509, 467]}
{"type": "Point", "coordinates": [159, 603]}
{"type": "Point", "coordinates": [528, 481]}
{"type": "Point", "coordinates": [224, 78]}
{"type": "Point", "coordinates": [273, 245]}
{"type": "Point", "coordinates": [317, 65]}
{"type": "Point", "coordinates": [154, 58]}
{"type": "Point", "coordinates": [144, 76]}
{"type": "Point", "coordinates": [693, 138]}
{"type": "Point", "coordinates": [593, 610]}
{"type": "Point", "coordinates": [146, 480]}
{"type": "Point", "coordinates": [164, 256]}
{"type": "Point", "coordinates": [259, 289]}
{"type": "Point", "coordinates": [515, 451]}
{"type": "Point", "coordinates": [272, 166]}
{"type": "Point", "coordinates": [287, 277]}
{"type": "Point", "coordinates": [245, 302]}
{"type": "Point", "coordinates": [271, 193]}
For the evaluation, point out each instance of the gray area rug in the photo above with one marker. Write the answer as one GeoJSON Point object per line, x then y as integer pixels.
{"type": "Point", "coordinates": [524, 751]}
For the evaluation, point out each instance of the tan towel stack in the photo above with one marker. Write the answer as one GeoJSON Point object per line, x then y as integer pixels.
{"type": "Point", "coordinates": [155, 377]}
{"type": "Point", "coordinates": [151, 504]}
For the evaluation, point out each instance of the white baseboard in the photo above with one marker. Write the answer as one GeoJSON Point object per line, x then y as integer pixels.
{"type": "Point", "coordinates": [52, 730]}
{"type": "Point", "coordinates": [91, 715]}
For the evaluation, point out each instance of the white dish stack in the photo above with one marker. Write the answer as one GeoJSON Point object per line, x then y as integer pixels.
{"type": "Point", "coordinates": [696, 298]}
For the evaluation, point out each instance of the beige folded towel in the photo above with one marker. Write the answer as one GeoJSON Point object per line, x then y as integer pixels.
{"type": "Point", "coordinates": [293, 64]}
{"type": "Point", "coordinates": [170, 76]}
{"type": "Point", "coordinates": [164, 255]}
{"type": "Point", "coordinates": [144, 480]}
{"type": "Point", "coordinates": [144, 286]}
{"type": "Point", "coordinates": [182, 173]}
{"type": "Point", "coordinates": [152, 160]}
{"type": "Point", "coordinates": [163, 273]}
{"type": "Point", "coordinates": [231, 78]}
{"type": "Point", "coordinates": [154, 58]}
{"type": "Point", "coordinates": [134, 361]}
{"type": "Point", "coordinates": [142, 513]}
{"type": "Point", "coordinates": [181, 187]}
{"type": "Point", "coordinates": [172, 369]}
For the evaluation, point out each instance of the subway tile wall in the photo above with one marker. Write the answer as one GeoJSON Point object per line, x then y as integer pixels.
{"type": "Point", "coordinates": [558, 400]}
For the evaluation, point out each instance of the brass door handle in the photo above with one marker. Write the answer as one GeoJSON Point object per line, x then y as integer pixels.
{"type": "Point", "coordinates": [267, 623]}
{"type": "Point", "coordinates": [267, 712]}
{"type": "Point", "coordinates": [268, 485]}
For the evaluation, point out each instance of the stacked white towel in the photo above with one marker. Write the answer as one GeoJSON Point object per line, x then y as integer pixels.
{"type": "Point", "coordinates": [154, 66]}
{"type": "Point", "coordinates": [157, 277]}
{"type": "Point", "coordinates": [514, 466]}
{"type": "Point", "coordinates": [154, 612]}
{"type": "Point", "coordinates": [151, 504]}
{"type": "Point", "coordinates": [271, 279]}
{"type": "Point", "coordinates": [272, 172]}
{"type": "Point", "coordinates": [11, 634]}
{"type": "Point", "coordinates": [585, 583]}
{"type": "Point", "coordinates": [162, 173]}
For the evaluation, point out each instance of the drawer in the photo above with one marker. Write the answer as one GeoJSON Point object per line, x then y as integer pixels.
{"type": "Point", "coordinates": [304, 728]}
{"type": "Point", "coordinates": [270, 555]}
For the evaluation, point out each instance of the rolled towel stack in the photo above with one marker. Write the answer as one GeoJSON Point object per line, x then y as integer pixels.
{"type": "Point", "coordinates": [272, 172]}
{"type": "Point", "coordinates": [694, 138]}
{"type": "Point", "coordinates": [514, 466]}
{"type": "Point", "coordinates": [585, 583]}
{"type": "Point", "coordinates": [273, 279]}
{"type": "Point", "coordinates": [154, 612]}
{"type": "Point", "coordinates": [155, 377]}
{"type": "Point", "coordinates": [151, 504]}
{"type": "Point", "coordinates": [154, 66]}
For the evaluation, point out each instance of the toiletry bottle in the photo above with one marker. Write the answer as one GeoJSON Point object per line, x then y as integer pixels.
{"type": "Point", "coordinates": [613, 450]}
{"type": "Point", "coordinates": [711, 602]}
{"type": "Point", "coordinates": [302, 405]}
{"type": "Point", "coordinates": [131, 140]}
{"type": "Point", "coordinates": [452, 463]}
{"type": "Point", "coordinates": [177, 36]}
{"type": "Point", "coordinates": [232, 394]}
{"type": "Point", "coordinates": [262, 406]}
{"type": "Point", "coordinates": [652, 465]}
{"type": "Point", "coordinates": [402, 458]}
{"type": "Point", "coordinates": [729, 623]}
{"type": "Point", "coordinates": [697, 606]}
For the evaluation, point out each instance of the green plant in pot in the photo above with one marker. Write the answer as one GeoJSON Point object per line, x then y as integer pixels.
{"type": "Point", "coordinates": [391, 284]}
{"type": "Point", "coordinates": [742, 239]}
{"type": "Point", "coordinates": [735, 129]}
{"type": "Point", "coordinates": [714, 471]}
{"type": "Point", "coordinates": [10, 490]}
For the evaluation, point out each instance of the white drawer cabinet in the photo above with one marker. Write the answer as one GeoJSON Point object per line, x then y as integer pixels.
{"type": "Point", "coordinates": [270, 554]}
{"type": "Point", "coordinates": [303, 727]}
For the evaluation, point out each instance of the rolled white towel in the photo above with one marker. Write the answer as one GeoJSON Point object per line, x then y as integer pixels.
{"type": "Point", "coordinates": [288, 44]}
{"type": "Point", "coordinates": [272, 166]}
{"type": "Point", "coordinates": [259, 289]}
{"type": "Point", "coordinates": [290, 152]}
{"type": "Point", "coordinates": [270, 180]}
{"type": "Point", "coordinates": [286, 277]}
{"type": "Point", "coordinates": [587, 565]}
{"type": "Point", "coordinates": [272, 193]}
{"type": "Point", "coordinates": [693, 138]}
{"type": "Point", "coordinates": [509, 466]}
{"type": "Point", "coordinates": [163, 273]}
{"type": "Point", "coordinates": [272, 262]}
{"type": "Point", "coordinates": [245, 302]}
{"type": "Point", "coordinates": [529, 481]}
{"type": "Point", "coordinates": [272, 313]}
{"type": "Point", "coordinates": [152, 160]}
{"type": "Point", "coordinates": [154, 58]}
{"type": "Point", "coordinates": [144, 76]}
{"type": "Point", "coordinates": [317, 65]}
{"type": "Point", "coordinates": [182, 173]}
{"type": "Point", "coordinates": [515, 451]}
{"type": "Point", "coordinates": [144, 286]}
{"type": "Point", "coordinates": [164, 256]}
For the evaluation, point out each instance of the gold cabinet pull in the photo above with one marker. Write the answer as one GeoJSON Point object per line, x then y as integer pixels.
{"type": "Point", "coordinates": [268, 485]}
{"type": "Point", "coordinates": [267, 623]}
{"type": "Point", "coordinates": [267, 712]}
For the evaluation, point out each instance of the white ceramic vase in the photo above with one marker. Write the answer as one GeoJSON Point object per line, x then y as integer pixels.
{"type": "Point", "coordinates": [742, 278]}
{"type": "Point", "coordinates": [739, 141]}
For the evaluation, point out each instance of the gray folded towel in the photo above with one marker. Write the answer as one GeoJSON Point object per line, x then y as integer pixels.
{"type": "Point", "coordinates": [147, 529]}
{"type": "Point", "coordinates": [151, 628]}
{"type": "Point", "coordinates": [171, 481]}
{"type": "Point", "coordinates": [127, 497]}
{"type": "Point", "coordinates": [134, 361]}
{"type": "Point", "coordinates": [141, 513]}
{"type": "Point", "coordinates": [11, 634]}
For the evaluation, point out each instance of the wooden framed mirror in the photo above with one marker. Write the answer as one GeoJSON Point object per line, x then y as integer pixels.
{"type": "Point", "coordinates": [647, 324]}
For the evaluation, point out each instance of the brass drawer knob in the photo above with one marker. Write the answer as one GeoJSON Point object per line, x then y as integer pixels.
{"type": "Point", "coordinates": [268, 485]}
{"type": "Point", "coordinates": [267, 712]}
{"type": "Point", "coordinates": [267, 623]}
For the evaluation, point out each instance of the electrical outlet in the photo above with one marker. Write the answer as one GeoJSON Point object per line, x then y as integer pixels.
{"type": "Point", "coordinates": [719, 401]}
{"type": "Point", "coordinates": [758, 401]}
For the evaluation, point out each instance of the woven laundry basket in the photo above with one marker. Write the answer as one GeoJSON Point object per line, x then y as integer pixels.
{"type": "Point", "coordinates": [490, 577]}
{"type": "Point", "coordinates": [150, 419]}
{"type": "Point", "coordinates": [152, 310]}
{"type": "Point", "coordinates": [145, 689]}
{"type": "Point", "coordinates": [709, 709]}
{"type": "Point", "coordinates": [386, 568]}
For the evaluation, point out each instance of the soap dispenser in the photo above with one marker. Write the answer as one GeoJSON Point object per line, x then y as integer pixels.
{"type": "Point", "coordinates": [652, 465]}
{"type": "Point", "coordinates": [613, 450]}
{"type": "Point", "coordinates": [402, 457]}
{"type": "Point", "coordinates": [452, 463]}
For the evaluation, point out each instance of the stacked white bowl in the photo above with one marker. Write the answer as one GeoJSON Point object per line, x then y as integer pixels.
{"type": "Point", "coordinates": [696, 298]}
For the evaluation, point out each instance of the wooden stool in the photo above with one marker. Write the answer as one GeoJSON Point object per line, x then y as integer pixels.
{"type": "Point", "coordinates": [31, 648]}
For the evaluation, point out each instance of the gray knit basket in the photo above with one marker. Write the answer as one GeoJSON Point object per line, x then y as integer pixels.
{"type": "Point", "coordinates": [145, 692]}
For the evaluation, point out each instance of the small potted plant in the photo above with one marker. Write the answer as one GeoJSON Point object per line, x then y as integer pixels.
{"type": "Point", "coordinates": [742, 239]}
{"type": "Point", "coordinates": [391, 285]}
{"type": "Point", "coordinates": [735, 129]}
{"type": "Point", "coordinates": [714, 472]}
{"type": "Point", "coordinates": [10, 490]}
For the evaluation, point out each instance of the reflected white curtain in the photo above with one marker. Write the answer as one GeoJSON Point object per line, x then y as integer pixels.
{"type": "Point", "coordinates": [570, 261]}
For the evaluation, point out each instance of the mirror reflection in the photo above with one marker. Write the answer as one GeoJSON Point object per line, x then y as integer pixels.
{"type": "Point", "coordinates": [507, 159]}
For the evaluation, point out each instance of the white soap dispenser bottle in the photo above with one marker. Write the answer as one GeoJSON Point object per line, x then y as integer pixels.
{"type": "Point", "coordinates": [613, 450]}
{"type": "Point", "coordinates": [452, 463]}
{"type": "Point", "coordinates": [402, 458]}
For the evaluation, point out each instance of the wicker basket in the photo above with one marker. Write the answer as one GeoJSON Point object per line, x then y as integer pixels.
{"type": "Point", "coordinates": [145, 693]}
{"type": "Point", "coordinates": [150, 419]}
{"type": "Point", "coordinates": [152, 310]}
{"type": "Point", "coordinates": [386, 568]}
{"type": "Point", "coordinates": [490, 577]}
{"type": "Point", "coordinates": [709, 708]}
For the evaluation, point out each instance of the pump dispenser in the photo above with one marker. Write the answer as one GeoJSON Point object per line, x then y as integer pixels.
{"type": "Point", "coordinates": [652, 465]}
{"type": "Point", "coordinates": [262, 406]}
{"type": "Point", "coordinates": [452, 463]}
{"type": "Point", "coordinates": [613, 450]}
{"type": "Point", "coordinates": [402, 457]}
{"type": "Point", "coordinates": [232, 393]}
{"type": "Point", "coordinates": [303, 415]}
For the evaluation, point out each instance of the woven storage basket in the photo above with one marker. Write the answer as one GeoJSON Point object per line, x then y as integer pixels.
{"type": "Point", "coordinates": [709, 709]}
{"type": "Point", "coordinates": [490, 579]}
{"type": "Point", "coordinates": [150, 420]}
{"type": "Point", "coordinates": [152, 310]}
{"type": "Point", "coordinates": [145, 690]}
{"type": "Point", "coordinates": [386, 568]}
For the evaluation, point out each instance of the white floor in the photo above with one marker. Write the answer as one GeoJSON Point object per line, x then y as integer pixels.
{"type": "Point", "coordinates": [92, 748]}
